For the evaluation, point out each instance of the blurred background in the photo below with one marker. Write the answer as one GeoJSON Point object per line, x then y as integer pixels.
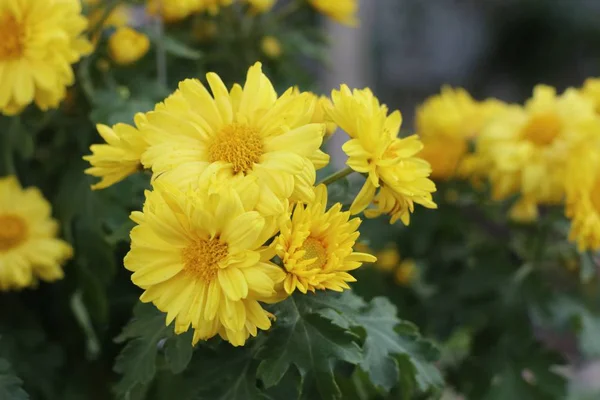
{"type": "Point", "coordinates": [405, 50]}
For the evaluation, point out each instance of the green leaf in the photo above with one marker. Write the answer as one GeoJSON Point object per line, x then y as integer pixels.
{"type": "Point", "coordinates": [385, 338]}
{"type": "Point", "coordinates": [148, 336]}
{"type": "Point", "coordinates": [310, 342]}
{"type": "Point", "coordinates": [178, 352]}
{"type": "Point", "coordinates": [223, 373]}
{"type": "Point", "coordinates": [10, 384]}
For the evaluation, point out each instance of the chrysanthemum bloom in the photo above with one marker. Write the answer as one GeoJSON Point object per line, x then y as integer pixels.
{"type": "Point", "coordinates": [29, 248]}
{"type": "Point", "coordinates": [199, 258]}
{"type": "Point", "coordinates": [39, 42]}
{"type": "Point", "coordinates": [260, 6]}
{"type": "Point", "coordinates": [247, 133]}
{"type": "Point", "coordinates": [583, 195]}
{"type": "Point", "coordinates": [173, 10]}
{"type": "Point", "coordinates": [120, 156]}
{"type": "Point", "coordinates": [271, 47]}
{"type": "Point", "coordinates": [390, 163]}
{"type": "Point", "coordinates": [126, 46]}
{"type": "Point", "coordinates": [446, 124]}
{"type": "Point", "coordinates": [591, 90]}
{"type": "Point", "coordinates": [322, 104]}
{"type": "Point", "coordinates": [528, 147]}
{"type": "Point", "coordinates": [342, 11]}
{"type": "Point", "coordinates": [315, 246]}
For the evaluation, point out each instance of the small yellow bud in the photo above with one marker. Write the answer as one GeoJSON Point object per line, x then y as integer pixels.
{"type": "Point", "coordinates": [406, 272]}
{"type": "Point", "coordinates": [126, 46]}
{"type": "Point", "coordinates": [388, 259]}
{"type": "Point", "coordinates": [271, 47]}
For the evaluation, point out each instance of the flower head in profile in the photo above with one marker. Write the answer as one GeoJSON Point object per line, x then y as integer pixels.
{"type": "Point", "coordinates": [246, 134]}
{"type": "Point", "coordinates": [322, 104]}
{"type": "Point", "coordinates": [342, 11]}
{"type": "Point", "coordinates": [126, 45]}
{"type": "Point", "coordinates": [447, 123]}
{"type": "Point", "coordinates": [528, 147]}
{"type": "Point", "coordinates": [396, 177]}
{"type": "Point", "coordinates": [583, 194]}
{"type": "Point", "coordinates": [29, 247]}
{"type": "Point", "coordinates": [316, 246]}
{"type": "Point", "coordinates": [40, 41]}
{"type": "Point", "coordinates": [120, 156]}
{"type": "Point", "coordinates": [177, 10]}
{"type": "Point", "coordinates": [199, 258]}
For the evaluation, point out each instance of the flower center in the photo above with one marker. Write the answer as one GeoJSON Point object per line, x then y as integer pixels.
{"type": "Point", "coordinates": [201, 258]}
{"type": "Point", "coordinates": [237, 144]}
{"type": "Point", "coordinates": [595, 195]}
{"type": "Point", "coordinates": [542, 129]}
{"type": "Point", "coordinates": [11, 45]}
{"type": "Point", "coordinates": [13, 231]}
{"type": "Point", "coordinates": [314, 249]}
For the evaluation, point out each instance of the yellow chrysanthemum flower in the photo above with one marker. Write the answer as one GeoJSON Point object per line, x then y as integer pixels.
{"type": "Point", "coordinates": [315, 246]}
{"type": "Point", "coordinates": [39, 42]}
{"type": "Point", "coordinates": [248, 133]}
{"type": "Point", "coordinates": [118, 17]}
{"type": "Point", "coordinates": [271, 47]}
{"type": "Point", "coordinates": [446, 124]}
{"type": "Point", "coordinates": [176, 10]}
{"type": "Point", "coordinates": [198, 256]}
{"type": "Point", "coordinates": [583, 195]}
{"type": "Point", "coordinates": [320, 116]}
{"type": "Point", "coordinates": [390, 163]}
{"type": "Point", "coordinates": [126, 46]}
{"type": "Point", "coordinates": [591, 90]}
{"type": "Point", "coordinates": [342, 11]}
{"type": "Point", "coordinates": [528, 147]}
{"type": "Point", "coordinates": [29, 248]}
{"type": "Point", "coordinates": [260, 6]}
{"type": "Point", "coordinates": [120, 156]}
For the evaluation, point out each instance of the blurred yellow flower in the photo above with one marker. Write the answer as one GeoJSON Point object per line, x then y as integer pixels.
{"type": "Point", "coordinates": [246, 135]}
{"type": "Point", "coordinates": [173, 10]}
{"type": "Point", "coordinates": [390, 163]}
{"type": "Point", "coordinates": [527, 148]}
{"type": "Point", "coordinates": [198, 257]}
{"type": "Point", "coordinates": [29, 248]}
{"type": "Point", "coordinates": [120, 156]}
{"type": "Point", "coordinates": [126, 46]}
{"type": "Point", "coordinates": [118, 17]}
{"type": "Point", "coordinates": [388, 258]}
{"type": "Point", "coordinates": [271, 47]}
{"type": "Point", "coordinates": [203, 29]}
{"type": "Point", "coordinates": [342, 11]}
{"type": "Point", "coordinates": [40, 41]}
{"type": "Point", "coordinates": [583, 195]}
{"type": "Point", "coordinates": [260, 6]}
{"type": "Point", "coordinates": [446, 124]}
{"type": "Point", "coordinates": [406, 272]}
{"type": "Point", "coordinates": [315, 246]}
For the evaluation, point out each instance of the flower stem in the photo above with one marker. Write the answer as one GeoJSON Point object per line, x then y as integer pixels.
{"type": "Point", "coordinates": [336, 176]}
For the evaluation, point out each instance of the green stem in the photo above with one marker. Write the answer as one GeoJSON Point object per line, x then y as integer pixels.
{"type": "Point", "coordinates": [336, 176]}
{"type": "Point", "coordinates": [288, 10]}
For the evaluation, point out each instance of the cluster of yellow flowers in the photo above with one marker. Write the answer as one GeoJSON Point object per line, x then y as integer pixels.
{"type": "Point", "coordinates": [343, 11]}
{"type": "Point", "coordinates": [544, 152]}
{"type": "Point", "coordinates": [234, 218]}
